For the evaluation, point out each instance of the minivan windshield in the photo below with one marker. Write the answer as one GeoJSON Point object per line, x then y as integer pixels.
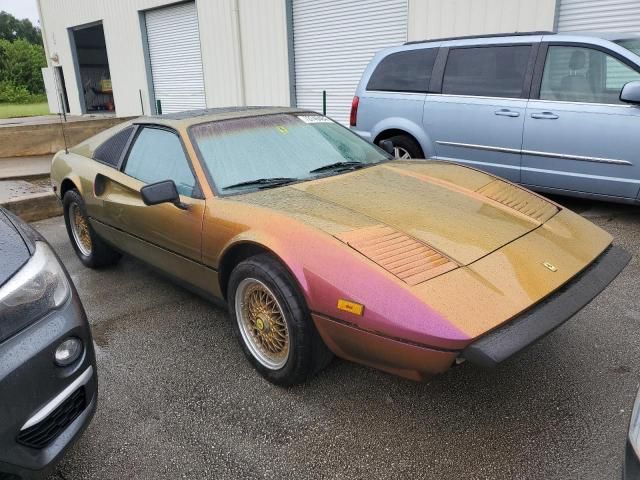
{"type": "Point", "coordinates": [632, 44]}
{"type": "Point", "coordinates": [267, 151]}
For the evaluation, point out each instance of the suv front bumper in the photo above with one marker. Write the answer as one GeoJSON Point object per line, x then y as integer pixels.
{"type": "Point", "coordinates": [42, 403]}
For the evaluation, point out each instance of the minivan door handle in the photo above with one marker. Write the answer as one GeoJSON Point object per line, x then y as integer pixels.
{"type": "Point", "coordinates": [505, 112]}
{"type": "Point", "coordinates": [544, 116]}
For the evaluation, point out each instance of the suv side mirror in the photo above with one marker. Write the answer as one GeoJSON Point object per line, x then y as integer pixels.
{"type": "Point", "coordinates": [162, 192]}
{"type": "Point", "coordinates": [387, 146]}
{"type": "Point", "coordinates": [631, 93]}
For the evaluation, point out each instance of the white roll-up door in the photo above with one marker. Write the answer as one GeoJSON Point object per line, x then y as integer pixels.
{"type": "Point", "coordinates": [174, 52]}
{"type": "Point", "coordinates": [599, 16]}
{"type": "Point", "coordinates": [333, 43]}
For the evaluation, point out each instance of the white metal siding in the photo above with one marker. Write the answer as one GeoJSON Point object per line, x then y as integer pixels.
{"type": "Point", "coordinates": [599, 16]}
{"type": "Point", "coordinates": [176, 60]}
{"type": "Point", "coordinates": [450, 18]}
{"type": "Point", "coordinates": [334, 41]}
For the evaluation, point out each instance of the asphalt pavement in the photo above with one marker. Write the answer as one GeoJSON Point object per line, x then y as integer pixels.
{"type": "Point", "coordinates": [177, 399]}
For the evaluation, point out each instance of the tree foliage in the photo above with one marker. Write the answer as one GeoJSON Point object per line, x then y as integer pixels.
{"type": "Point", "coordinates": [13, 29]}
{"type": "Point", "coordinates": [21, 58]}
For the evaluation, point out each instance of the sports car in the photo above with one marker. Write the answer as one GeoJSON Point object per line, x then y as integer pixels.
{"type": "Point", "coordinates": [321, 243]}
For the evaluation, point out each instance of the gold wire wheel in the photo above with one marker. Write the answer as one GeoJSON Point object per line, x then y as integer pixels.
{"type": "Point", "coordinates": [80, 229]}
{"type": "Point", "coordinates": [262, 323]}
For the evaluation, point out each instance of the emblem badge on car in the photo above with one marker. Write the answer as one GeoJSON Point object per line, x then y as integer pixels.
{"type": "Point", "coordinates": [550, 266]}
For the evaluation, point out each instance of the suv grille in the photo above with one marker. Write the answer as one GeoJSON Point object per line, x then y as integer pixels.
{"type": "Point", "coordinates": [43, 433]}
{"type": "Point", "coordinates": [8, 476]}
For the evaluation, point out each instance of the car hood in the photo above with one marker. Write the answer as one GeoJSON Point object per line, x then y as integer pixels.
{"type": "Point", "coordinates": [13, 250]}
{"type": "Point", "coordinates": [459, 214]}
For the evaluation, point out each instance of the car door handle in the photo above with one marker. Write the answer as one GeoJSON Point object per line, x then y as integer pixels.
{"type": "Point", "coordinates": [544, 116]}
{"type": "Point", "coordinates": [507, 113]}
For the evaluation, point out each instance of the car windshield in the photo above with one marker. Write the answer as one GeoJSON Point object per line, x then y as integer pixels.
{"type": "Point", "coordinates": [272, 150]}
{"type": "Point", "coordinates": [632, 44]}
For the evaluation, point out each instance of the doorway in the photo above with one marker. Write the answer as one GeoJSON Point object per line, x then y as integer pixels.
{"type": "Point", "coordinates": [92, 69]}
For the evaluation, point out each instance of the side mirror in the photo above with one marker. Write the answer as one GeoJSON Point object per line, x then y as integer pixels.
{"type": "Point", "coordinates": [631, 93]}
{"type": "Point", "coordinates": [387, 146]}
{"type": "Point", "coordinates": [162, 192]}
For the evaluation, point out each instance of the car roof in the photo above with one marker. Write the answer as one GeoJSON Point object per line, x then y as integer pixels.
{"type": "Point", "coordinates": [612, 36]}
{"type": "Point", "coordinates": [193, 117]}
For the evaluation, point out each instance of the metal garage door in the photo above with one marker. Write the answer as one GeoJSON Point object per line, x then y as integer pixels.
{"type": "Point", "coordinates": [599, 16]}
{"type": "Point", "coordinates": [174, 52]}
{"type": "Point", "coordinates": [333, 42]}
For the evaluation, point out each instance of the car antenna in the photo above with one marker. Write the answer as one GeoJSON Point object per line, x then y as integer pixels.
{"type": "Point", "coordinates": [61, 113]}
{"type": "Point", "coordinates": [64, 136]}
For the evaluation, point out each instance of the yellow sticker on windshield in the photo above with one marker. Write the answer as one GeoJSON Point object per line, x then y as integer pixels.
{"type": "Point", "coordinates": [283, 130]}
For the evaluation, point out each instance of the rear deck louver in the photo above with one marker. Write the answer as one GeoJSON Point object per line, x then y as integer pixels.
{"type": "Point", "coordinates": [519, 199]}
{"type": "Point", "coordinates": [405, 257]}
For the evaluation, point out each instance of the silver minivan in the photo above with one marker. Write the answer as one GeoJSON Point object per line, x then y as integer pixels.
{"type": "Point", "coordinates": [557, 113]}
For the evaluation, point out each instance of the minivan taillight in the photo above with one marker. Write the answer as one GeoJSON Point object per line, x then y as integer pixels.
{"type": "Point", "coordinates": [353, 118]}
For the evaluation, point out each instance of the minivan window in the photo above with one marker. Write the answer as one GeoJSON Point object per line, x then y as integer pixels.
{"type": "Point", "coordinates": [586, 75]}
{"type": "Point", "coordinates": [407, 71]}
{"type": "Point", "coordinates": [157, 155]}
{"type": "Point", "coordinates": [632, 44]}
{"type": "Point", "coordinates": [497, 71]}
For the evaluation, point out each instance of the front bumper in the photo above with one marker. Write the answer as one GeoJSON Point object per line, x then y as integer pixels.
{"type": "Point", "coordinates": [34, 391]}
{"type": "Point", "coordinates": [550, 313]}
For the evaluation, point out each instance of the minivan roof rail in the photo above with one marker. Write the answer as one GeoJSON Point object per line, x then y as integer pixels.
{"type": "Point", "coordinates": [490, 35]}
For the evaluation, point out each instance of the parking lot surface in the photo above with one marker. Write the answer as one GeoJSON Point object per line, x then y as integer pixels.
{"type": "Point", "coordinates": [178, 400]}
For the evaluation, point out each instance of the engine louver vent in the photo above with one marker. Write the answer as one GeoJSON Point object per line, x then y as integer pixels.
{"type": "Point", "coordinates": [519, 199]}
{"type": "Point", "coordinates": [405, 257]}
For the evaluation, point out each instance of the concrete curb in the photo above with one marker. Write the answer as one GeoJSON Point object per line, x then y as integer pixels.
{"type": "Point", "coordinates": [47, 138]}
{"type": "Point", "coordinates": [35, 206]}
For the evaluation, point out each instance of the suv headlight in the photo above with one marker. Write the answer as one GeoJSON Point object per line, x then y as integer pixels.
{"type": "Point", "coordinates": [634, 427]}
{"type": "Point", "coordinates": [39, 286]}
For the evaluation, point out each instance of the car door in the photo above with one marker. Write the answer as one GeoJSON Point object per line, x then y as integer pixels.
{"type": "Point", "coordinates": [578, 135]}
{"type": "Point", "coordinates": [168, 237]}
{"type": "Point", "coordinates": [477, 117]}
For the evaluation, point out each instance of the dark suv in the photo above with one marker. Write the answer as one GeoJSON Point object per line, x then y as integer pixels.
{"type": "Point", "coordinates": [48, 383]}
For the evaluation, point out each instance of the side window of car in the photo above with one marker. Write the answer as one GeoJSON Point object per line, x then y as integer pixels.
{"type": "Point", "coordinates": [587, 75]}
{"type": "Point", "coordinates": [406, 71]}
{"type": "Point", "coordinates": [110, 151]}
{"type": "Point", "coordinates": [157, 155]}
{"type": "Point", "coordinates": [496, 71]}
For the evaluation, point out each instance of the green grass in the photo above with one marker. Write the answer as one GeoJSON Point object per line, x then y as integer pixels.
{"type": "Point", "coordinates": [13, 110]}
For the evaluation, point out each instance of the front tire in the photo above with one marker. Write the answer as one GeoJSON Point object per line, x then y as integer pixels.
{"type": "Point", "coordinates": [272, 322]}
{"type": "Point", "coordinates": [405, 147]}
{"type": "Point", "coordinates": [92, 251]}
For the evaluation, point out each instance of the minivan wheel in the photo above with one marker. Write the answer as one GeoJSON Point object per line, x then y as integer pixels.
{"type": "Point", "coordinates": [272, 322]}
{"type": "Point", "coordinates": [92, 251]}
{"type": "Point", "coordinates": [405, 147]}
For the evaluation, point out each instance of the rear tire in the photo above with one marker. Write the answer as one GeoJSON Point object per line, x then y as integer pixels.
{"type": "Point", "coordinates": [272, 322]}
{"type": "Point", "coordinates": [92, 251]}
{"type": "Point", "coordinates": [405, 147]}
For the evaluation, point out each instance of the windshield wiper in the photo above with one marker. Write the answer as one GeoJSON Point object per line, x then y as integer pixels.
{"type": "Point", "coordinates": [263, 182]}
{"type": "Point", "coordinates": [339, 165]}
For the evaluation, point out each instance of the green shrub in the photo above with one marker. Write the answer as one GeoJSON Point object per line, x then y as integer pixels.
{"type": "Point", "coordinates": [21, 63]}
{"type": "Point", "coordinates": [10, 93]}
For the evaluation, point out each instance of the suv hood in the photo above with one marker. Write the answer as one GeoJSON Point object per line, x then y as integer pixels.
{"type": "Point", "coordinates": [458, 213]}
{"type": "Point", "coordinates": [13, 250]}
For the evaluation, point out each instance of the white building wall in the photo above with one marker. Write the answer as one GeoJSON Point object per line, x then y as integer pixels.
{"type": "Point", "coordinates": [261, 53]}
{"type": "Point", "coordinates": [449, 18]}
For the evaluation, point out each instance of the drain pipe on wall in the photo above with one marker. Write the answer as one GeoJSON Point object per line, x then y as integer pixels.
{"type": "Point", "coordinates": [237, 33]}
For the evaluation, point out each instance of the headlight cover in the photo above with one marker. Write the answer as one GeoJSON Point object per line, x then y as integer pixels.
{"type": "Point", "coordinates": [634, 426]}
{"type": "Point", "coordinates": [38, 287]}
